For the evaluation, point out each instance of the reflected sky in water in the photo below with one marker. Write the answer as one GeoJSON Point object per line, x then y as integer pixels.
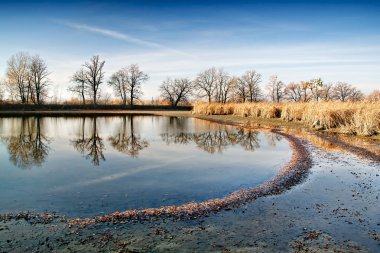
{"type": "Point", "coordinates": [90, 166]}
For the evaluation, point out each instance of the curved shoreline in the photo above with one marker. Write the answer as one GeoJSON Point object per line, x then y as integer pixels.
{"type": "Point", "coordinates": [289, 175]}
{"type": "Point", "coordinates": [296, 219]}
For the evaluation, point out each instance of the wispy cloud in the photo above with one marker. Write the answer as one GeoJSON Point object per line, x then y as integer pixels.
{"type": "Point", "coordinates": [119, 36]}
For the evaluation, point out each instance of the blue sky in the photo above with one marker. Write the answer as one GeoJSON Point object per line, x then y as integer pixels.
{"type": "Point", "coordinates": [296, 40]}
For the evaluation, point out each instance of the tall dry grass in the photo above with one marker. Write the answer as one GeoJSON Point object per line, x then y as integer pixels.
{"type": "Point", "coordinates": [260, 110]}
{"type": "Point", "coordinates": [359, 118]}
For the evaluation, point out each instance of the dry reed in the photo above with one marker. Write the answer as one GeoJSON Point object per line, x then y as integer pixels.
{"type": "Point", "coordinates": [359, 118]}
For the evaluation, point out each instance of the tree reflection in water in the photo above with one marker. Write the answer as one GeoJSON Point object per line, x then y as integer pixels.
{"type": "Point", "coordinates": [272, 138]}
{"type": "Point", "coordinates": [217, 139]}
{"type": "Point", "coordinates": [176, 131]}
{"type": "Point", "coordinates": [91, 146]}
{"type": "Point", "coordinates": [126, 140]}
{"type": "Point", "coordinates": [214, 141]}
{"type": "Point", "coordinates": [248, 139]}
{"type": "Point", "coordinates": [27, 145]}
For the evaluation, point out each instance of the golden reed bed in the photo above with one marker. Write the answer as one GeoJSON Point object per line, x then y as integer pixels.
{"type": "Point", "coordinates": [359, 118]}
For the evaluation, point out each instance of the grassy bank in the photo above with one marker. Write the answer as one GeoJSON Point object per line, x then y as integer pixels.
{"type": "Point", "coordinates": [359, 118]}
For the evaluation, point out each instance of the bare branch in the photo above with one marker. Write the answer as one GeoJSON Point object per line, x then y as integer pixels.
{"type": "Point", "coordinates": [94, 76]}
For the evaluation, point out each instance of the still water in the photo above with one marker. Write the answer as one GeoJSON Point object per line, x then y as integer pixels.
{"type": "Point", "coordinates": [94, 165]}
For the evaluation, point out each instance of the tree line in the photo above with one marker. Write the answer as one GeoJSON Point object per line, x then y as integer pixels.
{"type": "Point", "coordinates": [27, 78]}
{"type": "Point", "coordinates": [27, 82]}
{"type": "Point", "coordinates": [216, 85]}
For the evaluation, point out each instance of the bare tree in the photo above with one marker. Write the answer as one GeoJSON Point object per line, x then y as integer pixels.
{"type": "Point", "coordinates": [176, 91]}
{"type": "Point", "coordinates": [135, 78]}
{"type": "Point", "coordinates": [357, 95]}
{"type": "Point", "coordinates": [17, 76]}
{"type": "Point", "coordinates": [374, 96]}
{"type": "Point", "coordinates": [276, 89]}
{"type": "Point", "coordinates": [240, 91]}
{"type": "Point", "coordinates": [94, 76]}
{"type": "Point", "coordinates": [206, 83]}
{"type": "Point", "coordinates": [344, 92]}
{"type": "Point", "coordinates": [306, 91]}
{"type": "Point", "coordinates": [251, 80]}
{"type": "Point", "coordinates": [316, 88]}
{"type": "Point", "coordinates": [228, 88]}
{"type": "Point", "coordinates": [119, 83]}
{"type": "Point", "coordinates": [326, 93]}
{"type": "Point", "coordinates": [293, 92]}
{"type": "Point", "coordinates": [39, 79]}
{"type": "Point", "coordinates": [2, 86]}
{"type": "Point", "coordinates": [79, 88]}
{"type": "Point", "coordinates": [223, 85]}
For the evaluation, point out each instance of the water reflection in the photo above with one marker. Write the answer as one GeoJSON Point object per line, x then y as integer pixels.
{"type": "Point", "coordinates": [272, 138]}
{"type": "Point", "coordinates": [26, 143]}
{"type": "Point", "coordinates": [126, 140]}
{"type": "Point", "coordinates": [89, 166]}
{"type": "Point", "coordinates": [217, 140]}
{"type": "Point", "coordinates": [92, 146]}
{"type": "Point", "coordinates": [248, 139]}
{"type": "Point", "coordinates": [28, 146]}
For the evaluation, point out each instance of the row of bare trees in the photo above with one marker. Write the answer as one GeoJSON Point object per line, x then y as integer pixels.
{"type": "Point", "coordinates": [27, 78]}
{"type": "Point", "coordinates": [27, 81]}
{"type": "Point", "coordinates": [126, 83]}
{"type": "Point", "coordinates": [219, 86]}
{"type": "Point", "coordinates": [311, 90]}
{"type": "Point", "coordinates": [216, 85]}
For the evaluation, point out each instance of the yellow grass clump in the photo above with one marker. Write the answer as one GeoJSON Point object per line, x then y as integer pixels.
{"type": "Point", "coordinates": [261, 109]}
{"type": "Point", "coordinates": [359, 118]}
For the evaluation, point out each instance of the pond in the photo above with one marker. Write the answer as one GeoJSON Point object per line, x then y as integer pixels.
{"type": "Point", "coordinates": [87, 166]}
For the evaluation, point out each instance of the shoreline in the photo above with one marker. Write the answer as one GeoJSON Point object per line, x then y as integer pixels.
{"type": "Point", "coordinates": [316, 214]}
{"type": "Point", "coordinates": [288, 176]}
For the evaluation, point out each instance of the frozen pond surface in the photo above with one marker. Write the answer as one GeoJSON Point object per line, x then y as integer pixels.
{"type": "Point", "coordinates": [91, 166]}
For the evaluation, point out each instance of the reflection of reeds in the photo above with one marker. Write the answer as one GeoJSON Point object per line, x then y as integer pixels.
{"type": "Point", "coordinates": [316, 140]}
{"type": "Point", "coordinates": [356, 145]}
{"type": "Point", "coordinates": [359, 118]}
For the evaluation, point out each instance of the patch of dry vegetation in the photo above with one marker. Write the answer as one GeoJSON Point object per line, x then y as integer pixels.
{"type": "Point", "coordinates": [359, 118]}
